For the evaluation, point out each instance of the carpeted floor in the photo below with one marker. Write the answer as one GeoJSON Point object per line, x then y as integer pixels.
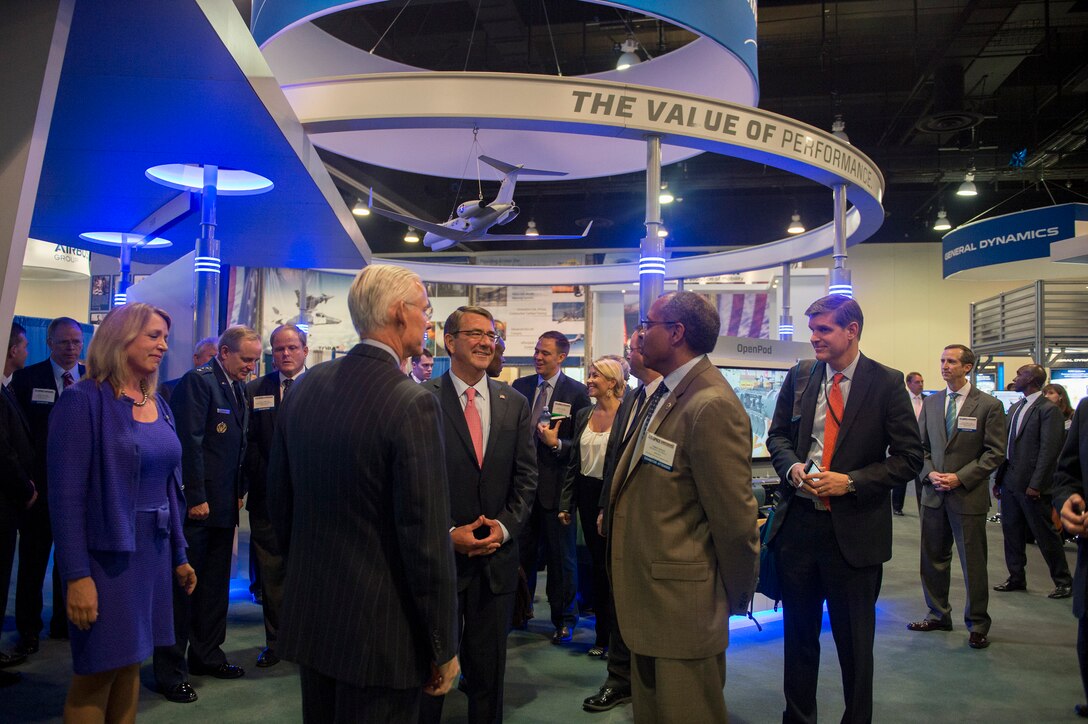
{"type": "Point", "coordinates": [1029, 673]}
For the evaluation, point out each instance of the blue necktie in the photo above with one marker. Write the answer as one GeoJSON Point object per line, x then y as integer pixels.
{"type": "Point", "coordinates": [950, 414]}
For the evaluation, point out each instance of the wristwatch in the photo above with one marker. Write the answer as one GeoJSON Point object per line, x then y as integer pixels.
{"type": "Point", "coordinates": [850, 485]}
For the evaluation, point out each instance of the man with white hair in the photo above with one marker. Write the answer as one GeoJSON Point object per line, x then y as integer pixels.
{"type": "Point", "coordinates": [358, 495]}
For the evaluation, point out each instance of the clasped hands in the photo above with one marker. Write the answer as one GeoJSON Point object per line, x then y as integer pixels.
{"type": "Point", "coordinates": [466, 543]}
{"type": "Point", "coordinates": [944, 482]}
{"type": "Point", "coordinates": [823, 484]}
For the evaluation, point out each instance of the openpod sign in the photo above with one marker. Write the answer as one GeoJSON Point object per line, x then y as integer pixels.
{"type": "Point", "coordinates": [1012, 237]}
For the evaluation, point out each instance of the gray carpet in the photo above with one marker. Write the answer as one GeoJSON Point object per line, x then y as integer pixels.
{"type": "Point", "coordinates": [1029, 673]}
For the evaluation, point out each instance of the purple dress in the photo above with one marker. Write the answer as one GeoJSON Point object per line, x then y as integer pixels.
{"type": "Point", "coordinates": [135, 610]}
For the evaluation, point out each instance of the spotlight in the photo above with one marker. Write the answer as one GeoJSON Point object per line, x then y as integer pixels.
{"type": "Point", "coordinates": [360, 209]}
{"type": "Point", "coordinates": [665, 196]}
{"type": "Point", "coordinates": [942, 221]}
{"type": "Point", "coordinates": [411, 237]}
{"type": "Point", "coordinates": [967, 188]}
{"type": "Point", "coordinates": [531, 230]}
{"type": "Point", "coordinates": [628, 54]}
{"type": "Point", "coordinates": [795, 227]}
{"type": "Point", "coordinates": [662, 232]}
{"type": "Point", "coordinates": [838, 128]}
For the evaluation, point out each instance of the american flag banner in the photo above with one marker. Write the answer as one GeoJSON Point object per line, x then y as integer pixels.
{"type": "Point", "coordinates": [745, 315]}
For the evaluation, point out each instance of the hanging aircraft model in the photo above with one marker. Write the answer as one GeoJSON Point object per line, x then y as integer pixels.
{"type": "Point", "coordinates": [472, 219]}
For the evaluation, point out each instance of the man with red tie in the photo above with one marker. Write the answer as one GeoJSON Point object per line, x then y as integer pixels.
{"type": "Point", "coordinates": [843, 436]}
{"type": "Point", "coordinates": [491, 467]}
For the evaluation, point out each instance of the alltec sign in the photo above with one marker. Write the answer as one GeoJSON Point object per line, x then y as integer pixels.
{"type": "Point", "coordinates": [1012, 237]}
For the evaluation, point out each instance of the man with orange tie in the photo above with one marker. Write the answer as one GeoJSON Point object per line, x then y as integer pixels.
{"type": "Point", "coordinates": [491, 467]}
{"type": "Point", "coordinates": [843, 436]}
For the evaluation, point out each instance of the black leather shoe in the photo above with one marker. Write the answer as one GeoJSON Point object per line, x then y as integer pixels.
{"type": "Point", "coordinates": [898, 513]}
{"type": "Point", "coordinates": [182, 693]}
{"type": "Point", "coordinates": [1061, 592]}
{"type": "Point", "coordinates": [606, 698]}
{"type": "Point", "coordinates": [7, 660]}
{"type": "Point", "coordinates": [1081, 710]}
{"type": "Point", "coordinates": [223, 671]}
{"type": "Point", "coordinates": [978, 641]}
{"type": "Point", "coordinates": [8, 678]}
{"type": "Point", "coordinates": [267, 658]}
{"type": "Point", "coordinates": [562, 635]}
{"type": "Point", "coordinates": [28, 644]}
{"type": "Point", "coordinates": [1011, 585]}
{"type": "Point", "coordinates": [929, 624]}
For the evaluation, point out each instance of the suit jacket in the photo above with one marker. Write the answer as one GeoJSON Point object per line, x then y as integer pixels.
{"type": "Point", "coordinates": [358, 497]}
{"type": "Point", "coordinates": [211, 425]}
{"type": "Point", "coordinates": [971, 454]}
{"type": "Point", "coordinates": [1071, 476]}
{"type": "Point", "coordinates": [503, 489]}
{"type": "Point", "coordinates": [262, 423]}
{"type": "Point", "coordinates": [23, 384]}
{"type": "Point", "coordinates": [877, 447]}
{"type": "Point", "coordinates": [16, 454]}
{"type": "Point", "coordinates": [551, 465]}
{"type": "Point", "coordinates": [684, 545]}
{"type": "Point", "coordinates": [1036, 447]}
{"type": "Point", "coordinates": [616, 438]}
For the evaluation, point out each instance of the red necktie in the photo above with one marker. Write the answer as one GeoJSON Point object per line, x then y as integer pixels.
{"type": "Point", "coordinates": [67, 380]}
{"type": "Point", "coordinates": [475, 425]}
{"type": "Point", "coordinates": [831, 425]}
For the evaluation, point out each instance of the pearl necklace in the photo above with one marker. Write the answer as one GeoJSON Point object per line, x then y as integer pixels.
{"type": "Point", "coordinates": [143, 390]}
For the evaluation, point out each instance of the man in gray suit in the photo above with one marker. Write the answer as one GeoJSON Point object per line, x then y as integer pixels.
{"type": "Point", "coordinates": [1036, 431]}
{"type": "Point", "coordinates": [963, 435]}
{"type": "Point", "coordinates": [684, 546]}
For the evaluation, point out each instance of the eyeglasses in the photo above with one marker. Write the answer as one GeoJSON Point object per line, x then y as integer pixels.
{"type": "Point", "coordinates": [476, 335]}
{"type": "Point", "coordinates": [427, 311]}
{"type": "Point", "coordinates": [648, 323]}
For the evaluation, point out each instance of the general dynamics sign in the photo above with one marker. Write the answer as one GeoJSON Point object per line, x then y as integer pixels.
{"type": "Point", "coordinates": [1012, 237]}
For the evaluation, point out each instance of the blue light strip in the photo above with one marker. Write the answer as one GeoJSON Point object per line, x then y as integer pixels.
{"type": "Point", "coordinates": [844, 289]}
{"type": "Point", "coordinates": [785, 329]}
{"type": "Point", "coordinates": [651, 265]}
{"type": "Point", "coordinates": [304, 327]}
{"type": "Point", "coordinates": [120, 299]}
{"type": "Point", "coordinates": [207, 264]}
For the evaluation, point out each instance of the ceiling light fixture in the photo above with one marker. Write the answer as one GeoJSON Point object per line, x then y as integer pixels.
{"type": "Point", "coordinates": [795, 227]}
{"type": "Point", "coordinates": [967, 188]}
{"type": "Point", "coordinates": [665, 196]}
{"type": "Point", "coordinates": [411, 237]}
{"type": "Point", "coordinates": [531, 230]}
{"type": "Point", "coordinates": [360, 209]}
{"type": "Point", "coordinates": [628, 54]}
{"type": "Point", "coordinates": [662, 232]}
{"type": "Point", "coordinates": [943, 223]}
{"type": "Point", "coordinates": [838, 128]}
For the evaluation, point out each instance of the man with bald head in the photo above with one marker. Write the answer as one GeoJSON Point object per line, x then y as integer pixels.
{"type": "Point", "coordinates": [1024, 480]}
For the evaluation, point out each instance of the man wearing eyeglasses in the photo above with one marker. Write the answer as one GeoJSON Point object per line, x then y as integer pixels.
{"type": "Point", "coordinates": [549, 390]}
{"type": "Point", "coordinates": [36, 389]}
{"type": "Point", "coordinates": [491, 466]}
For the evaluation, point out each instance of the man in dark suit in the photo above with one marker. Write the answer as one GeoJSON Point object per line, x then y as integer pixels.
{"type": "Point", "coordinates": [550, 389]}
{"type": "Point", "coordinates": [36, 388]}
{"type": "Point", "coordinates": [358, 496]}
{"type": "Point", "coordinates": [289, 352]}
{"type": "Point", "coordinates": [1070, 493]}
{"type": "Point", "coordinates": [683, 540]}
{"type": "Point", "coordinates": [18, 492]}
{"type": "Point", "coordinates": [422, 367]}
{"type": "Point", "coordinates": [616, 689]}
{"type": "Point", "coordinates": [211, 412]}
{"type": "Point", "coordinates": [203, 352]}
{"type": "Point", "coordinates": [832, 528]}
{"type": "Point", "coordinates": [915, 385]}
{"type": "Point", "coordinates": [1036, 431]}
{"type": "Point", "coordinates": [963, 433]}
{"type": "Point", "coordinates": [491, 466]}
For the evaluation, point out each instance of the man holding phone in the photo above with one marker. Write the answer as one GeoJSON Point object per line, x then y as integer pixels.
{"type": "Point", "coordinates": [843, 436]}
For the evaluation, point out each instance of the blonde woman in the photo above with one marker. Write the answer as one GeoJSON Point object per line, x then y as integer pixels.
{"type": "Point", "coordinates": [117, 510]}
{"type": "Point", "coordinates": [582, 487]}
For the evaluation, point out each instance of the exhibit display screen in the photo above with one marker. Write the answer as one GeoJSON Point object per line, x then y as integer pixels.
{"type": "Point", "coordinates": [758, 390]}
{"type": "Point", "coordinates": [1075, 382]}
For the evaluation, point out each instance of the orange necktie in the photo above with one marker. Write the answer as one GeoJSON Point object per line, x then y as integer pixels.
{"type": "Point", "coordinates": [831, 426]}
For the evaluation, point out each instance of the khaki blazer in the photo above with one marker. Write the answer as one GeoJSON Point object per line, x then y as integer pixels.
{"type": "Point", "coordinates": [684, 545]}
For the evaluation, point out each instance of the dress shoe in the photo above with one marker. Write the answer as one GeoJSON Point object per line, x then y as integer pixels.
{"type": "Point", "coordinates": [223, 671]}
{"type": "Point", "coordinates": [1061, 592]}
{"type": "Point", "coordinates": [1010, 585]}
{"type": "Point", "coordinates": [7, 660]}
{"type": "Point", "coordinates": [182, 693]}
{"type": "Point", "coordinates": [28, 644]}
{"type": "Point", "coordinates": [606, 698]}
{"type": "Point", "coordinates": [267, 658]}
{"type": "Point", "coordinates": [562, 635]}
{"type": "Point", "coordinates": [7, 678]}
{"type": "Point", "coordinates": [928, 624]}
{"type": "Point", "coordinates": [978, 641]}
{"type": "Point", "coordinates": [598, 651]}
{"type": "Point", "coordinates": [1081, 710]}
{"type": "Point", "coordinates": [898, 513]}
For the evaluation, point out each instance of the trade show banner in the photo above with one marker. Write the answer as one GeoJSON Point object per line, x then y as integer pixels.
{"type": "Point", "coordinates": [317, 299]}
{"type": "Point", "coordinates": [522, 314]}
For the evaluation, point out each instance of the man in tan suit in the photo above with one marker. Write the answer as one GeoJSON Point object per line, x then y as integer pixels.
{"type": "Point", "coordinates": [684, 546]}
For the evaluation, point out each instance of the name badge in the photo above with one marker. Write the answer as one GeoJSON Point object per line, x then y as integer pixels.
{"type": "Point", "coordinates": [43, 394]}
{"type": "Point", "coordinates": [223, 410]}
{"type": "Point", "coordinates": [264, 402]}
{"type": "Point", "coordinates": [658, 451]}
{"type": "Point", "coordinates": [967, 424]}
{"type": "Point", "coordinates": [560, 409]}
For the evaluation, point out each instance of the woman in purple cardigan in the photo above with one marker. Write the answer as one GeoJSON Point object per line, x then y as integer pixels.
{"type": "Point", "coordinates": [117, 511]}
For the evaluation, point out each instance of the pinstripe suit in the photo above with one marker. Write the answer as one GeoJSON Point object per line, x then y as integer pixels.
{"type": "Point", "coordinates": [358, 495]}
